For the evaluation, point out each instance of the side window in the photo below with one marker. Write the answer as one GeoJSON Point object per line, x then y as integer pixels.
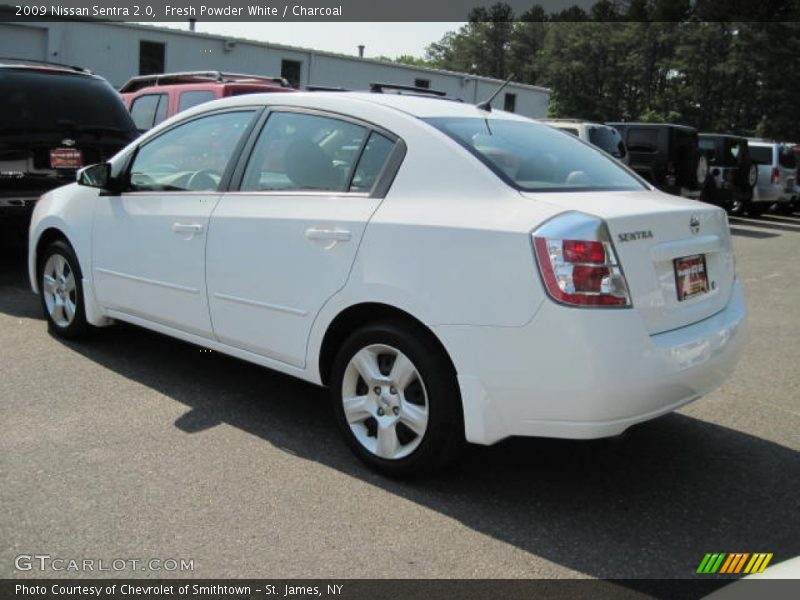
{"type": "Point", "coordinates": [189, 157]}
{"type": "Point", "coordinates": [161, 111]}
{"type": "Point", "coordinates": [372, 161]}
{"type": "Point", "coordinates": [143, 111]}
{"type": "Point", "coordinates": [297, 151]}
{"type": "Point", "coordinates": [193, 98]}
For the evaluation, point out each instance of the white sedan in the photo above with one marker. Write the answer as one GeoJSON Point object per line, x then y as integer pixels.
{"type": "Point", "coordinates": [450, 273]}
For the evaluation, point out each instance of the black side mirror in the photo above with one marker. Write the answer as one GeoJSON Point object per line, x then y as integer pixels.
{"type": "Point", "coordinates": [96, 176]}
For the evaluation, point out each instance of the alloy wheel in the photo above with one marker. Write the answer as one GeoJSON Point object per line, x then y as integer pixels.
{"type": "Point", "coordinates": [59, 290]}
{"type": "Point", "coordinates": [385, 401]}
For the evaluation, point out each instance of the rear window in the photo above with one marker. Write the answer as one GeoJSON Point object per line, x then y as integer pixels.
{"type": "Point", "coordinates": [761, 154]}
{"type": "Point", "coordinates": [86, 103]}
{"type": "Point", "coordinates": [786, 157]}
{"type": "Point", "coordinates": [642, 140]}
{"type": "Point", "coordinates": [534, 157]}
{"type": "Point", "coordinates": [607, 139]}
{"type": "Point", "coordinates": [735, 152]}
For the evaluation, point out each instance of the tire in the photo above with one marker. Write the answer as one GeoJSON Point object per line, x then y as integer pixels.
{"type": "Point", "coordinates": [386, 403]}
{"type": "Point", "coordinates": [741, 202]}
{"type": "Point", "coordinates": [61, 292]}
{"type": "Point", "coordinates": [756, 209]}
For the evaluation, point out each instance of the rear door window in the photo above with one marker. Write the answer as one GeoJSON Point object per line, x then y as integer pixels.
{"type": "Point", "coordinates": [304, 152]}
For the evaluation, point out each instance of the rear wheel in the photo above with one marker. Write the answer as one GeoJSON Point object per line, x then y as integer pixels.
{"type": "Point", "coordinates": [61, 292]}
{"type": "Point", "coordinates": [396, 399]}
{"type": "Point", "coordinates": [756, 209]}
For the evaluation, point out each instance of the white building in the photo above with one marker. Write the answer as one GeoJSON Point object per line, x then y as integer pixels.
{"type": "Point", "coordinates": [118, 51]}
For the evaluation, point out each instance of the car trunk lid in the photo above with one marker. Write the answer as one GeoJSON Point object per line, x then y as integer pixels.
{"type": "Point", "coordinates": [650, 232]}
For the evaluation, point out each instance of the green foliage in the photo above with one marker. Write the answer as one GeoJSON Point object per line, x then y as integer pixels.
{"type": "Point", "coordinates": [663, 60]}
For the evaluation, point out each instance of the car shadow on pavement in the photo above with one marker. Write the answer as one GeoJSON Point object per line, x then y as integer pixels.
{"type": "Point", "coordinates": [760, 235]}
{"type": "Point", "coordinates": [647, 505]}
{"type": "Point", "coordinates": [765, 224]}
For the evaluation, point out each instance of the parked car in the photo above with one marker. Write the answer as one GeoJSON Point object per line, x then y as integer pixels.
{"type": "Point", "coordinates": [733, 174]}
{"type": "Point", "coordinates": [777, 175]}
{"type": "Point", "coordinates": [448, 272]}
{"type": "Point", "coordinates": [604, 137]}
{"type": "Point", "coordinates": [53, 120]}
{"type": "Point", "coordinates": [153, 98]}
{"type": "Point", "coordinates": [668, 156]}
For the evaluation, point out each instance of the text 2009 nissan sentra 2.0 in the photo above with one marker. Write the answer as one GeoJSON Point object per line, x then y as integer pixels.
{"type": "Point", "coordinates": [450, 273]}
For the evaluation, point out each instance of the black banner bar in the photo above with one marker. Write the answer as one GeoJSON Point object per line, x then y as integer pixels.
{"type": "Point", "coordinates": [389, 10]}
{"type": "Point", "coordinates": [403, 589]}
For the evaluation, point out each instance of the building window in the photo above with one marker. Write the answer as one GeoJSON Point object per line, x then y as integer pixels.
{"type": "Point", "coordinates": [510, 103]}
{"type": "Point", "coordinates": [151, 57]}
{"type": "Point", "coordinates": [290, 70]}
{"type": "Point", "coordinates": [422, 83]}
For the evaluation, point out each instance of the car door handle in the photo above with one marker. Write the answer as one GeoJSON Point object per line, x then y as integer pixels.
{"type": "Point", "coordinates": [193, 228]}
{"type": "Point", "coordinates": [334, 235]}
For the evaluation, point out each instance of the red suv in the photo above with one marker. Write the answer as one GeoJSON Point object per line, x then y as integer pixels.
{"type": "Point", "coordinates": [153, 98]}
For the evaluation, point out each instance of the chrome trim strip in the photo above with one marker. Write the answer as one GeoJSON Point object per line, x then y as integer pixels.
{"type": "Point", "coordinates": [172, 286]}
{"type": "Point", "coordinates": [277, 307]}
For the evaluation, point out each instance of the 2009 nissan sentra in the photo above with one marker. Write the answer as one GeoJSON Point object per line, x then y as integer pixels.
{"type": "Point", "coordinates": [450, 273]}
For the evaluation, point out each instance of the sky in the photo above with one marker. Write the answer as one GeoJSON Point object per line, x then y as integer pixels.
{"type": "Point", "coordinates": [387, 39]}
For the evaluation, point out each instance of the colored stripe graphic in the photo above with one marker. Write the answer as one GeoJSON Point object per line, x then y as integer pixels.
{"type": "Point", "coordinates": [758, 563]}
{"type": "Point", "coordinates": [711, 562]}
{"type": "Point", "coordinates": [732, 564]}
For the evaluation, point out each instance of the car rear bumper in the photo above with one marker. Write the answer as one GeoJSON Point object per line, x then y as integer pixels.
{"type": "Point", "coordinates": [578, 373]}
{"type": "Point", "coordinates": [17, 205]}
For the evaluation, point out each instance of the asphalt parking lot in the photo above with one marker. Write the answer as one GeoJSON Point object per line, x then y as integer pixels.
{"type": "Point", "coordinates": [134, 445]}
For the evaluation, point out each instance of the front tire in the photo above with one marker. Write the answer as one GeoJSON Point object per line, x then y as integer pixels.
{"type": "Point", "coordinates": [61, 292]}
{"type": "Point", "coordinates": [397, 400]}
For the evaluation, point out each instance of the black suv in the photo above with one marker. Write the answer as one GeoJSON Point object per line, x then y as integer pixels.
{"type": "Point", "coordinates": [733, 173]}
{"type": "Point", "coordinates": [666, 155]}
{"type": "Point", "coordinates": [54, 119]}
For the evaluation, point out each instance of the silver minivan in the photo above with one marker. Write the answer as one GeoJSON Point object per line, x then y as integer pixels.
{"type": "Point", "coordinates": [777, 172]}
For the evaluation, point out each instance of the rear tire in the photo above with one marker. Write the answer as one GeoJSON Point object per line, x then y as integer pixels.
{"type": "Point", "coordinates": [396, 399]}
{"type": "Point", "coordinates": [756, 209]}
{"type": "Point", "coordinates": [61, 291]}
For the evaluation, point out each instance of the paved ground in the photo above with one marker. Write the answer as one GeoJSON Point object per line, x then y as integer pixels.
{"type": "Point", "coordinates": [138, 446]}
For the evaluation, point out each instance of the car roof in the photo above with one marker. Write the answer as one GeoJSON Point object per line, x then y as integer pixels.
{"type": "Point", "coordinates": [723, 135]}
{"type": "Point", "coordinates": [573, 122]}
{"type": "Point", "coordinates": [414, 105]}
{"type": "Point", "coordinates": [40, 65]}
{"type": "Point", "coordinates": [644, 124]}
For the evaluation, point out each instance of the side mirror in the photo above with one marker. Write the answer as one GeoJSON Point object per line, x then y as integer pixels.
{"type": "Point", "coordinates": [96, 176]}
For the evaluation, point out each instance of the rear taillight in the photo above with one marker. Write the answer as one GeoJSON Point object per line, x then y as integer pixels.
{"type": "Point", "coordinates": [580, 272]}
{"type": "Point", "coordinates": [776, 175]}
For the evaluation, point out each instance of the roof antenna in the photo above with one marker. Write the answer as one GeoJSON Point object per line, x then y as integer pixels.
{"type": "Point", "coordinates": [487, 104]}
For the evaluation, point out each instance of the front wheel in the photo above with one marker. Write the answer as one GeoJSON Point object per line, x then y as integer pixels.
{"type": "Point", "coordinates": [396, 399]}
{"type": "Point", "coordinates": [61, 292]}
